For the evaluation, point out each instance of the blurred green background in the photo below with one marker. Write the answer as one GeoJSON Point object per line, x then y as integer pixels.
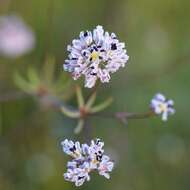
{"type": "Point", "coordinates": [149, 154]}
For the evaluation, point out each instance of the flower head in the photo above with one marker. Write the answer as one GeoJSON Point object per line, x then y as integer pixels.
{"type": "Point", "coordinates": [163, 106]}
{"type": "Point", "coordinates": [16, 38]}
{"type": "Point", "coordinates": [95, 55]}
{"type": "Point", "coordinates": [87, 159]}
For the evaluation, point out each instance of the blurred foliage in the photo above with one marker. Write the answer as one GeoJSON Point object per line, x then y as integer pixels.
{"type": "Point", "coordinates": [149, 154]}
{"type": "Point", "coordinates": [44, 83]}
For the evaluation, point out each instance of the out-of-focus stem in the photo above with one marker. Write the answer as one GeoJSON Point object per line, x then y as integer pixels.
{"type": "Point", "coordinates": [91, 101]}
{"type": "Point", "coordinates": [101, 106]}
{"type": "Point", "coordinates": [127, 115]}
{"type": "Point", "coordinates": [79, 126]}
{"type": "Point", "coordinates": [124, 116]}
{"type": "Point", "coordinates": [80, 98]}
{"type": "Point", "coordinates": [70, 113]}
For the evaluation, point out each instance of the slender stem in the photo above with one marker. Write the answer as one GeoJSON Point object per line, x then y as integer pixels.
{"type": "Point", "coordinates": [94, 90]}
{"type": "Point", "coordinates": [80, 98]}
{"type": "Point", "coordinates": [124, 116]}
{"type": "Point", "coordinates": [79, 126]}
{"type": "Point", "coordinates": [88, 131]}
{"type": "Point", "coordinates": [134, 115]}
{"type": "Point", "coordinates": [101, 106]}
{"type": "Point", "coordinates": [70, 113]}
{"type": "Point", "coordinates": [91, 101]}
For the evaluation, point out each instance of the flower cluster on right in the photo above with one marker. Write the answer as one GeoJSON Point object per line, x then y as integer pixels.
{"type": "Point", "coordinates": [162, 106]}
{"type": "Point", "coordinates": [86, 159]}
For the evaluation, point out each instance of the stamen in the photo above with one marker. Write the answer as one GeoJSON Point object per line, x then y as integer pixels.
{"type": "Point", "coordinates": [86, 34]}
{"type": "Point", "coordinates": [94, 55]}
{"type": "Point", "coordinates": [113, 46]}
{"type": "Point", "coordinates": [95, 48]}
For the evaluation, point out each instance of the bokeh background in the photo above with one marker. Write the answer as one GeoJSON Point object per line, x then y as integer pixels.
{"type": "Point", "coordinates": [149, 154]}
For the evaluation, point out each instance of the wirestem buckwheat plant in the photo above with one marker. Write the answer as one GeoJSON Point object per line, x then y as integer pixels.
{"type": "Point", "coordinates": [95, 55]}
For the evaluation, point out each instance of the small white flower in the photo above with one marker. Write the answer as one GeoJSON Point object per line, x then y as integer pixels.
{"type": "Point", "coordinates": [77, 175]}
{"type": "Point", "coordinates": [95, 55]}
{"type": "Point", "coordinates": [16, 38]}
{"type": "Point", "coordinates": [85, 149]}
{"type": "Point", "coordinates": [105, 166]}
{"type": "Point", "coordinates": [97, 146]}
{"type": "Point", "coordinates": [160, 105]}
{"type": "Point", "coordinates": [71, 148]}
{"type": "Point", "coordinates": [86, 159]}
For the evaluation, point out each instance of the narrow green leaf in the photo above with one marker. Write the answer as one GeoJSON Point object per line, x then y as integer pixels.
{"type": "Point", "coordinates": [100, 107]}
{"type": "Point", "coordinates": [49, 70]}
{"type": "Point", "coordinates": [79, 126]}
{"type": "Point", "coordinates": [91, 101]}
{"type": "Point", "coordinates": [33, 76]}
{"type": "Point", "coordinates": [70, 113]}
{"type": "Point", "coordinates": [23, 84]}
{"type": "Point", "coordinates": [80, 98]}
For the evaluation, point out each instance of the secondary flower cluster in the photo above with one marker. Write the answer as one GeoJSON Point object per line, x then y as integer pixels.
{"type": "Point", "coordinates": [85, 159]}
{"type": "Point", "coordinates": [95, 55]}
{"type": "Point", "coordinates": [16, 38]}
{"type": "Point", "coordinates": [163, 106]}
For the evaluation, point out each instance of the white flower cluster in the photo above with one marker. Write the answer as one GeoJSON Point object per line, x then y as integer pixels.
{"type": "Point", "coordinates": [16, 38]}
{"type": "Point", "coordinates": [85, 159]}
{"type": "Point", "coordinates": [160, 105]}
{"type": "Point", "coordinates": [95, 55]}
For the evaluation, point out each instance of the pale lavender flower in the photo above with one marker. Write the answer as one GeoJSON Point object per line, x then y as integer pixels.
{"type": "Point", "coordinates": [87, 159]}
{"type": "Point", "coordinates": [77, 175]}
{"type": "Point", "coordinates": [105, 166]}
{"type": "Point", "coordinates": [162, 106]}
{"type": "Point", "coordinates": [95, 55]}
{"type": "Point", "coordinates": [71, 148]}
{"type": "Point", "coordinates": [16, 38]}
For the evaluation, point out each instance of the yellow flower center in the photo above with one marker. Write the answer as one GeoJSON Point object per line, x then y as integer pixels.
{"type": "Point", "coordinates": [94, 55]}
{"type": "Point", "coordinates": [94, 161]}
{"type": "Point", "coordinates": [75, 154]}
{"type": "Point", "coordinates": [163, 107]}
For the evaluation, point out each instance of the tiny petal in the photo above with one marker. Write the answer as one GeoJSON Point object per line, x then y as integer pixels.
{"type": "Point", "coordinates": [85, 149]}
{"type": "Point", "coordinates": [90, 81]}
{"type": "Point", "coordinates": [105, 166]}
{"type": "Point", "coordinates": [71, 148]}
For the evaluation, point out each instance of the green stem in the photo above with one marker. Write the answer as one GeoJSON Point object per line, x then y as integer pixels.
{"type": "Point", "coordinates": [91, 101]}
{"type": "Point", "coordinates": [124, 116]}
{"type": "Point", "coordinates": [101, 106]}
{"type": "Point", "coordinates": [79, 126]}
{"type": "Point", "coordinates": [70, 113]}
{"type": "Point", "coordinates": [134, 115]}
{"type": "Point", "coordinates": [80, 98]}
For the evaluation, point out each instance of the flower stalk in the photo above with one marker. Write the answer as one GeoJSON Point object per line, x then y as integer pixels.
{"type": "Point", "coordinates": [84, 109]}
